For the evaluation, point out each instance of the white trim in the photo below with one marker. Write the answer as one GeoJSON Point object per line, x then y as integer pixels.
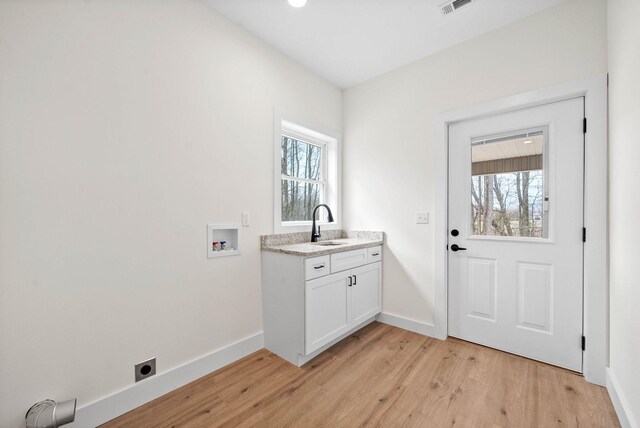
{"type": "Point", "coordinates": [406, 324]}
{"type": "Point", "coordinates": [620, 403]}
{"type": "Point", "coordinates": [330, 140]}
{"type": "Point", "coordinates": [596, 248]}
{"type": "Point", "coordinates": [110, 407]}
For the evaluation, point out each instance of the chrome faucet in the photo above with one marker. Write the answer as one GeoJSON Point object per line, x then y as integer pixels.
{"type": "Point", "coordinates": [315, 234]}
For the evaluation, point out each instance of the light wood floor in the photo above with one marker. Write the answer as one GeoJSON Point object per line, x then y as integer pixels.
{"type": "Point", "coordinates": [383, 376]}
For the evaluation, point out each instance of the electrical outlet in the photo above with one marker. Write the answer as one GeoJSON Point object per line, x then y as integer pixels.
{"type": "Point", "coordinates": [145, 369]}
{"type": "Point", "coordinates": [246, 221]}
{"type": "Point", "coordinates": [422, 217]}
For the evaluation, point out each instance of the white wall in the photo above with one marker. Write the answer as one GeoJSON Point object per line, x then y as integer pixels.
{"type": "Point", "coordinates": [389, 130]}
{"type": "Point", "coordinates": [624, 151]}
{"type": "Point", "coordinates": [126, 127]}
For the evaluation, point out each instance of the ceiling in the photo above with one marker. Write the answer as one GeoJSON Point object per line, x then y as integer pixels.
{"type": "Point", "coordinates": [512, 148]}
{"type": "Point", "coordinates": [351, 41]}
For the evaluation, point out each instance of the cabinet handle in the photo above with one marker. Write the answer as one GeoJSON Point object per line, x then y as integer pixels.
{"type": "Point", "coordinates": [355, 279]}
{"type": "Point", "coordinates": [375, 254]}
{"type": "Point", "coordinates": [318, 267]}
{"type": "Point", "coordinates": [350, 281]}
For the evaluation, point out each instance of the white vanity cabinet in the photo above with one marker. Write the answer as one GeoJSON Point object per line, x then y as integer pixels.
{"type": "Point", "coordinates": [336, 303]}
{"type": "Point", "coordinates": [310, 303]}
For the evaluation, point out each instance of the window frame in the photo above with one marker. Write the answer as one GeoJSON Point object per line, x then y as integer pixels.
{"type": "Point", "coordinates": [329, 142]}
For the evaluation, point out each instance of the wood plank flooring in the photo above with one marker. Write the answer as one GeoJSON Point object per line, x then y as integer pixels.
{"type": "Point", "coordinates": [386, 377]}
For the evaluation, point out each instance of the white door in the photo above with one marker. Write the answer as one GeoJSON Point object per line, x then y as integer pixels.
{"type": "Point", "coordinates": [365, 292]}
{"type": "Point", "coordinates": [516, 232]}
{"type": "Point", "coordinates": [326, 309]}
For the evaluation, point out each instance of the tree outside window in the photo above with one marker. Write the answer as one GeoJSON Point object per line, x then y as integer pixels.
{"type": "Point", "coordinates": [508, 204]}
{"type": "Point", "coordinates": [302, 184]}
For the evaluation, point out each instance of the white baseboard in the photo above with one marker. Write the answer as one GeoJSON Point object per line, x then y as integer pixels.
{"type": "Point", "coordinates": [619, 401]}
{"type": "Point", "coordinates": [110, 407]}
{"type": "Point", "coordinates": [407, 324]}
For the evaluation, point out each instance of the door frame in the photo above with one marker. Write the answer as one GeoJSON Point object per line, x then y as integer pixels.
{"type": "Point", "coordinates": [595, 266]}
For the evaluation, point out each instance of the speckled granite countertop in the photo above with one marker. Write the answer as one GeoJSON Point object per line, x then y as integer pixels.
{"type": "Point", "coordinates": [298, 243]}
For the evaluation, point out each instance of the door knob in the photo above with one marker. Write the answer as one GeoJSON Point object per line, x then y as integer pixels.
{"type": "Point", "coordinates": [456, 247]}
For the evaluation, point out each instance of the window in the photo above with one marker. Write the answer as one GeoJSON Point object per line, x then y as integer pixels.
{"type": "Point", "coordinates": [508, 186]}
{"type": "Point", "coordinates": [303, 174]}
{"type": "Point", "coordinates": [306, 174]}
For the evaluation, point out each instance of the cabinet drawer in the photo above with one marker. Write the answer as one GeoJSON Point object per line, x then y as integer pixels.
{"type": "Point", "coordinates": [348, 259]}
{"type": "Point", "coordinates": [316, 267]}
{"type": "Point", "coordinates": [374, 254]}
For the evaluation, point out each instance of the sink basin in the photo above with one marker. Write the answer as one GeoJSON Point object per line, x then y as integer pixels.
{"type": "Point", "coordinates": [327, 243]}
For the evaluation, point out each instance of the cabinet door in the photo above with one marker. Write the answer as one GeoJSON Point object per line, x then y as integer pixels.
{"type": "Point", "coordinates": [366, 293]}
{"type": "Point", "coordinates": [326, 310]}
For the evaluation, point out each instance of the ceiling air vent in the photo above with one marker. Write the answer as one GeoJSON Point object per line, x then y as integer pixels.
{"type": "Point", "coordinates": [452, 6]}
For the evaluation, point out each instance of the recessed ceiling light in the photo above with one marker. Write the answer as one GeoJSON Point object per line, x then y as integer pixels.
{"type": "Point", "coordinates": [527, 142]}
{"type": "Point", "coordinates": [297, 3]}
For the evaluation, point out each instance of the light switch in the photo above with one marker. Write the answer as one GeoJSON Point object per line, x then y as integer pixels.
{"type": "Point", "coordinates": [422, 217]}
{"type": "Point", "coordinates": [245, 218]}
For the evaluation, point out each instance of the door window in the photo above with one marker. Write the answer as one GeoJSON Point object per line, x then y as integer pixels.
{"type": "Point", "coordinates": [508, 194]}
